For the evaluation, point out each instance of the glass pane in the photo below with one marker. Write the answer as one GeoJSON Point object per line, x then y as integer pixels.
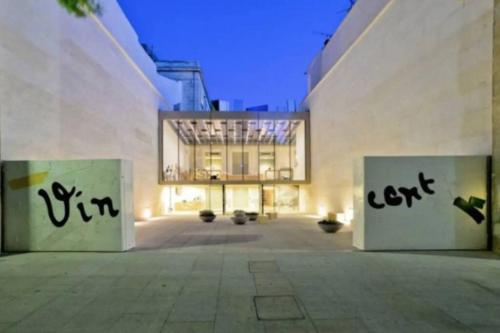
{"type": "Point", "coordinates": [171, 140]}
{"type": "Point", "coordinates": [185, 150]}
{"type": "Point", "coordinates": [266, 150]}
{"type": "Point", "coordinates": [281, 198]}
{"type": "Point", "coordinates": [244, 197]}
{"type": "Point", "coordinates": [215, 200]}
{"type": "Point", "coordinates": [191, 199]}
{"type": "Point", "coordinates": [235, 150]}
{"type": "Point", "coordinates": [282, 148]}
{"type": "Point", "coordinates": [287, 198]}
{"type": "Point", "coordinates": [252, 150]}
{"type": "Point", "coordinates": [298, 149]}
{"type": "Point", "coordinates": [268, 195]}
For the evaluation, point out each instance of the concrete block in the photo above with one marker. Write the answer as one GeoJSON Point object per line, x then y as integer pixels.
{"type": "Point", "coordinates": [421, 203]}
{"type": "Point", "coordinates": [78, 205]}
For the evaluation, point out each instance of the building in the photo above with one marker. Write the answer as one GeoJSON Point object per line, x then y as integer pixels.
{"type": "Point", "coordinates": [82, 89]}
{"type": "Point", "coordinates": [221, 105]}
{"type": "Point", "coordinates": [234, 160]}
{"type": "Point", "coordinates": [189, 74]}
{"type": "Point", "coordinates": [382, 85]}
{"type": "Point", "coordinates": [389, 86]}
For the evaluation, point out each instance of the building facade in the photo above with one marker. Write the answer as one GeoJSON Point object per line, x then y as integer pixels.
{"type": "Point", "coordinates": [189, 74]}
{"type": "Point", "coordinates": [399, 78]}
{"type": "Point", "coordinates": [84, 88]}
{"type": "Point", "coordinates": [234, 160]}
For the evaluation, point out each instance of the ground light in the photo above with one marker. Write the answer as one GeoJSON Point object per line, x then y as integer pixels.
{"type": "Point", "coordinates": [147, 213]}
{"type": "Point", "coordinates": [322, 211]}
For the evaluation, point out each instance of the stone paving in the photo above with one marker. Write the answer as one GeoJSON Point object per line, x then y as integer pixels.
{"type": "Point", "coordinates": [285, 276]}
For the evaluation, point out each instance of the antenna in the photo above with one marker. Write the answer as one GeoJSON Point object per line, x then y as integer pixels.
{"type": "Point", "coordinates": [324, 34]}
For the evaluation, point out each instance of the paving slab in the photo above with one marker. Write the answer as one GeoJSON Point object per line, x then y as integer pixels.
{"type": "Point", "coordinates": [186, 276]}
{"type": "Point", "coordinates": [277, 308]}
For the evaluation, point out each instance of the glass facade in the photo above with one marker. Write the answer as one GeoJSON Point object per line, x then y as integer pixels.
{"type": "Point", "coordinates": [248, 153]}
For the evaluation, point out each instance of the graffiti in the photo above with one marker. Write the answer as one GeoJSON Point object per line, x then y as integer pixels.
{"type": "Point", "coordinates": [64, 196]}
{"type": "Point", "coordinates": [393, 197]}
{"type": "Point", "coordinates": [470, 207]}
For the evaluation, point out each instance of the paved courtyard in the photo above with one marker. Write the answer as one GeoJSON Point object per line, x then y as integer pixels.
{"type": "Point", "coordinates": [285, 276]}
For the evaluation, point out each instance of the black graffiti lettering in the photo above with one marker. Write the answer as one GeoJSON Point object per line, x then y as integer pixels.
{"type": "Point", "coordinates": [409, 194]}
{"type": "Point", "coordinates": [61, 194]}
{"type": "Point", "coordinates": [424, 183]}
{"type": "Point", "coordinates": [391, 196]}
{"type": "Point", "coordinates": [470, 207]}
{"type": "Point", "coordinates": [105, 202]}
{"type": "Point", "coordinates": [81, 208]}
{"type": "Point", "coordinates": [64, 196]}
{"type": "Point", "coordinates": [83, 213]}
{"type": "Point", "coordinates": [371, 201]}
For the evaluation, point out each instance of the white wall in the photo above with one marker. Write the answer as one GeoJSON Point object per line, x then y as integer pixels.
{"type": "Point", "coordinates": [416, 82]}
{"type": "Point", "coordinates": [70, 90]}
{"type": "Point", "coordinates": [430, 221]}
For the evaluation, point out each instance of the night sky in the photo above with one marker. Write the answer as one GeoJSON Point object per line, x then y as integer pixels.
{"type": "Point", "coordinates": [254, 50]}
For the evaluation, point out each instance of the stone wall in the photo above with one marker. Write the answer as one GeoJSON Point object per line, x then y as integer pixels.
{"type": "Point", "coordinates": [496, 128]}
{"type": "Point", "coordinates": [80, 205]}
{"type": "Point", "coordinates": [416, 82]}
{"type": "Point", "coordinates": [73, 88]}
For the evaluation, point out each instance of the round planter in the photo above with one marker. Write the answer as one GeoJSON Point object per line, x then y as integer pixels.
{"type": "Point", "coordinates": [330, 226]}
{"type": "Point", "coordinates": [207, 218]}
{"type": "Point", "coordinates": [239, 219]}
{"type": "Point", "coordinates": [252, 216]}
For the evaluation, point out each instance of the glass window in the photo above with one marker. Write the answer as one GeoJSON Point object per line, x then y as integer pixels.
{"type": "Point", "coordinates": [244, 197]}
{"type": "Point", "coordinates": [298, 149]}
{"type": "Point", "coordinates": [281, 198]}
{"type": "Point", "coordinates": [211, 150]}
{"type": "Point", "coordinates": [282, 150]}
{"type": "Point", "coordinates": [191, 199]}
{"type": "Point", "coordinates": [267, 160]}
{"type": "Point", "coordinates": [171, 143]}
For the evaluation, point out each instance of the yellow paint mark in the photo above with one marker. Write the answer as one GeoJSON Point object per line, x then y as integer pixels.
{"type": "Point", "coordinates": [33, 179]}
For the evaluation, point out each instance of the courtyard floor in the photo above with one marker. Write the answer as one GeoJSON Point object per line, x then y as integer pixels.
{"type": "Point", "coordinates": [284, 276]}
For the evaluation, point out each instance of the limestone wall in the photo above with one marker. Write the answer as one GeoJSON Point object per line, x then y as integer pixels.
{"type": "Point", "coordinates": [496, 130]}
{"type": "Point", "coordinates": [79, 89]}
{"type": "Point", "coordinates": [418, 81]}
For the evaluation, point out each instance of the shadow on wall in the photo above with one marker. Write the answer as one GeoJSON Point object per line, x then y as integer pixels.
{"type": "Point", "coordinates": [23, 213]}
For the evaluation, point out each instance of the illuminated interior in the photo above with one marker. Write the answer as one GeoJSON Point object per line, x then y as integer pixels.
{"type": "Point", "coordinates": [233, 160]}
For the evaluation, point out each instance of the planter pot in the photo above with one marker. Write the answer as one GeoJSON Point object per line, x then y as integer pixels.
{"type": "Point", "coordinates": [330, 226]}
{"type": "Point", "coordinates": [207, 218]}
{"type": "Point", "coordinates": [239, 219]}
{"type": "Point", "coordinates": [272, 215]}
{"type": "Point", "coordinates": [252, 216]}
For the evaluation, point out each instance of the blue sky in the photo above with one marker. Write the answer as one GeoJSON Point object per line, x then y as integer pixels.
{"type": "Point", "coordinates": [255, 50]}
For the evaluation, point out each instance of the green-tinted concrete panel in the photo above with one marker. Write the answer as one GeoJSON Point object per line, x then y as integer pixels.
{"type": "Point", "coordinates": [83, 205]}
{"type": "Point", "coordinates": [421, 203]}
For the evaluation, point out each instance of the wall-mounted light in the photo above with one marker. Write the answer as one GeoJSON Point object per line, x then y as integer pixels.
{"type": "Point", "coordinates": [322, 210]}
{"type": "Point", "coordinates": [147, 214]}
{"type": "Point", "coordinates": [349, 215]}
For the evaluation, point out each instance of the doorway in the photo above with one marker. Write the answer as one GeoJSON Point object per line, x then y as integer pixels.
{"type": "Point", "coordinates": [243, 197]}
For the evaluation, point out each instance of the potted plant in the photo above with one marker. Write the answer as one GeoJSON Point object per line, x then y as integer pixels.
{"type": "Point", "coordinates": [207, 215]}
{"type": "Point", "coordinates": [252, 216]}
{"type": "Point", "coordinates": [240, 217]}
{"type": "Point", "coordinates": [330, 226]}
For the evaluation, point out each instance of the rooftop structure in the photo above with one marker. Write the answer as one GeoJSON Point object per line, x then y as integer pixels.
{"type": "Point", "coordinates": [194, 91]}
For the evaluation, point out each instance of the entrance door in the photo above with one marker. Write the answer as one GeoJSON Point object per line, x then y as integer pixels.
{"type": "Point", "coordinates": [245, 197]}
